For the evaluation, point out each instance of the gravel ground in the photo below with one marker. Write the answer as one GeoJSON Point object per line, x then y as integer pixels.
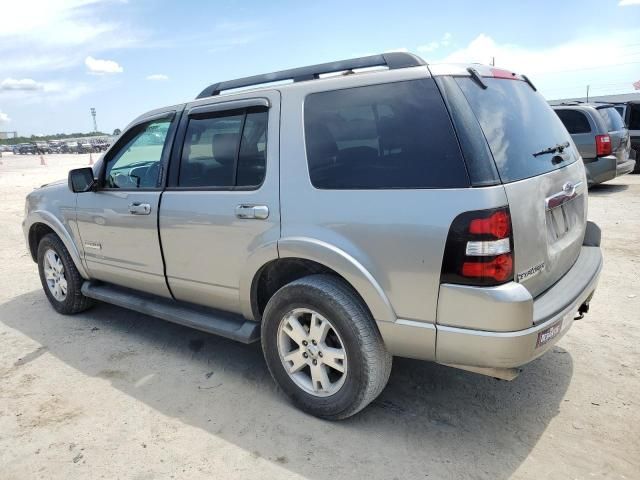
{"type": "Point", "coordinates": [114, 394]}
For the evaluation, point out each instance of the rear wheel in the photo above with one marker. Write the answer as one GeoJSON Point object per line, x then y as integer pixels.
{"type": "Point", "coordinates": [59, 276]}
{"type": "Point", "coordinates": [323, 348]}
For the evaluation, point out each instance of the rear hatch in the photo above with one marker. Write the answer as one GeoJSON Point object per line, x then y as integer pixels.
{"type": "Point", "coordinates": [620, 140]}
{"type": "Point", "coordinates": [538, 165]}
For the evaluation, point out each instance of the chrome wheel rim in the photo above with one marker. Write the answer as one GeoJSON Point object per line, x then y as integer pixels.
{"type": "Point", "coordinates": [54, 275]}
{"type": "Point", "coordinates": [312, 352]}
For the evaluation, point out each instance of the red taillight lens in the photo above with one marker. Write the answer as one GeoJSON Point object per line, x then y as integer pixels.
{"type": "Point", "coordinates": [498, 225]}
{"type": "Point", "coordinates": [479, 249]}
{"type": "Point", "coordinates": [499, 73]}
{"type": "Point", "coordinates": [603, 145]}
{"type": "Point", "coordinates": [499, 268]}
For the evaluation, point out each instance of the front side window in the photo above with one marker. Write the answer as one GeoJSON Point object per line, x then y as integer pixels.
{"type": "Point", "coordinates": [137, 163]}
{"type": "Point", "coordinates": [390, 136]}
{"type": "Point", "coordinates": [225, 150]}
{"type": "Point", "coordinates": [574, 121]}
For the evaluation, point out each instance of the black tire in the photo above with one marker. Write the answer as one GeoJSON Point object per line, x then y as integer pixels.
{"type": "Point", "coordinates": [75, 301]}
{"type": "Point", "coordinates": [369, 363]}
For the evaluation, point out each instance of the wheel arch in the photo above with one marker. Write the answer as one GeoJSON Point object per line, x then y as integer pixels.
{"type": "Point", "coordinates": [298, 257]}
{"type": "Point", "coordinates": [42, 223]}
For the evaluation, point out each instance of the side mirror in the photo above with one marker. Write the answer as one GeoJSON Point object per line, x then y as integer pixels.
{"type": "Point", "coordinates": [81, 180]}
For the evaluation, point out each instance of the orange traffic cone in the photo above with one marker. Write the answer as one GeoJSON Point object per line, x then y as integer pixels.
{"type": "Point", "coordinates": [42, 160]}
{"type": "Point", "coordinates": [90, 158]}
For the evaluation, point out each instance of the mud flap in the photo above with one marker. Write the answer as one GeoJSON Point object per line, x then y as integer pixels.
{"type": "Point", "coordinates": [592, 235]}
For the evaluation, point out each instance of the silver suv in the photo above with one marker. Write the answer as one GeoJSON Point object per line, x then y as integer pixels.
{"type": "Point", "coordinates": [353, 214]}
{"type": "Point", "coordinates": [601, 138]}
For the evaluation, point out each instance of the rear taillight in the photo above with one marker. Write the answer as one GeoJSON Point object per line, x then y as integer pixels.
{"type": "Point", "coordinates": [603, 145]}
{"type": "Point", "coordinates": [479, 249]}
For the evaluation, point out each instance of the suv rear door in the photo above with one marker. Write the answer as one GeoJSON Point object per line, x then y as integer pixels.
{"type": "Point", "coordinates": [582, 130]}
{"type": "Point", "coordinates": [222, 202]}
{"type": "Point", "coordinates": [546, 191]}
{"type": "Point", "coordinates": [620, 142]}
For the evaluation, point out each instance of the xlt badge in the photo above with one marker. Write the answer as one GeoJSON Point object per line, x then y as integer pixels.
{"type": "Point", "coordinates": [533, 271]}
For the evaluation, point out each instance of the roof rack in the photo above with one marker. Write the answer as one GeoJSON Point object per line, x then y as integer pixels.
{"type": "Point", "coordinates": [391, 60]}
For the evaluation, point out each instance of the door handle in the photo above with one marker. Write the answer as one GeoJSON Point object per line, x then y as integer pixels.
{"type": "Point", "coordinates": [140, 208]}
{"type": "Point", "coordinates": [259, 212]}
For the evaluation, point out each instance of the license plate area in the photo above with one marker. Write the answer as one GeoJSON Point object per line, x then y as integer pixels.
{"type": "Point", "coordinates": [548, 334]}
{"type": "Point", "coordinates": [551, 332]}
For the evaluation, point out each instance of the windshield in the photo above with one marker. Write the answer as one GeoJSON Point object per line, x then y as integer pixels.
{"type": "Point", "coordinates": [518, 123]}
{"type": "Point", "coordinates": [612, 118]}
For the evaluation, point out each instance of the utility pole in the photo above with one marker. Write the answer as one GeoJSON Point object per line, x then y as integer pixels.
{"type": "Point", "coordinates": [587, 93]}
{"type": "Point", "coordinates": [93, 114]}
{"type": "Point", "coordinates": [493, 61]}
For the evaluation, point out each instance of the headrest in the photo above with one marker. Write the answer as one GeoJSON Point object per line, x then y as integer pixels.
{"type": "Point", "coordinates": [224, 147]}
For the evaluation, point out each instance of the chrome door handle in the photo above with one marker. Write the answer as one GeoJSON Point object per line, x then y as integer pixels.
{"type": "Point", "coordinates": [140, 208]}
{"type": "Point", "coordinates": [259, 212]}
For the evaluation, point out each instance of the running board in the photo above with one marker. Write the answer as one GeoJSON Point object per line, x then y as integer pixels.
{"type": "Point", "coordinates": [208, 320]}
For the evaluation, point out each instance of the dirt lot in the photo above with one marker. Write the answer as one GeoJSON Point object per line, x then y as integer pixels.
{"type": "Point", "coordinates": [114, 394]}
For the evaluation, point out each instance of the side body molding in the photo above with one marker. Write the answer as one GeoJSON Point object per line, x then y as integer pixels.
{"type": "Point", "coordinates": [49, 219]}
{"type": "Point", "coordinates": [345, 265]}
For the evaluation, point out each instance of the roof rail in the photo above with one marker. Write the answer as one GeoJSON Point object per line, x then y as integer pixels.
{"type": "Point", "coordinates": [391, 60]}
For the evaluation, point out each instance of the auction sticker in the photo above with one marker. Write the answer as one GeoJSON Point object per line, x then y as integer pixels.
{"type": "Point", "coordinates": [548, 334]}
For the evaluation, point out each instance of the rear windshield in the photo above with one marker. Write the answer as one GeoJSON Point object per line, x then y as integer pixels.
{"type": "Point", "coordinates": [517, 122]}
{"type": "Point", "coordinates": [611, 118]}
{"type": "Point", "coordinates": [575, 121]}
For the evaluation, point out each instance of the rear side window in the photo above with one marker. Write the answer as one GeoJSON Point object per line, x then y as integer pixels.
{"type": "Point", "coordinates": [634, 117]}
{"type": "Point", "coordinates": [225, 150]}
{"type": "Point", "coordinates": [574, 121]}
{"type": "Point", "coordinates": [611, 118]}
{"type": "Point", "coordinates": [517, 122]}
{"type": "Point", "coordinates": [395, 135]}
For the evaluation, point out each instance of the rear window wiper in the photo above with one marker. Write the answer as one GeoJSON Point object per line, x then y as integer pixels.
{"type": "Point", "coordinates": [556, 148]}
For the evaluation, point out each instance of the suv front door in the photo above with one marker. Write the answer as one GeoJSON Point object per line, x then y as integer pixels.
{"type": "Point", "coordinates": [118, 223]}
{"type": "Point", "coordinates": [221, 205]}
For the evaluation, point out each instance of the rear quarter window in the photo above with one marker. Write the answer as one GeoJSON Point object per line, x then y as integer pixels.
{"type": "Point", "coordinates": [574, 121]}
{"type": "Point", "coordinates": [611, 118]}
{"type": "Point", "coordinates": [389, 136]}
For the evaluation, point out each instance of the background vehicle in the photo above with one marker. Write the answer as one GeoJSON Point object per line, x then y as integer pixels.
{"type": "Point", "coordinates": [630, 112]}
{"type": "Point", "coordinates": [419, 213]}
{"type": "Point", "coordinates": [41, 148]}
{"type": "Point", "coordinates": [25, 149]}
{"type": "Point", "coordinates": [85, 147]}
{"type": "Point", "coordinates": [55, 146]}
{"type": "Point", "coordinates": [601, 137]}
{"type": "Point", "coordinates": [70, 147]}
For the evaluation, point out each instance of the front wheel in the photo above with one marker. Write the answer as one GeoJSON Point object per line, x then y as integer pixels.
{"type": "Point", "coordinates": [323, 348]}
{"type": "Point", "coordinates": [59, 276]}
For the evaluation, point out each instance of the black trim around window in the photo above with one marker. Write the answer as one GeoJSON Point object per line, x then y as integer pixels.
{"type": "Point", "coordinates": [243, 107]}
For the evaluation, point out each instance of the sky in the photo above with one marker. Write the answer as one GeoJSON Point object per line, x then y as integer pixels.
{"type": "Point", "coordinates": [59, 58]}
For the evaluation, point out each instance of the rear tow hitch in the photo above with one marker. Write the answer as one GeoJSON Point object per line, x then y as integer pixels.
{"type": "Point", "coordinates": [584, 308]}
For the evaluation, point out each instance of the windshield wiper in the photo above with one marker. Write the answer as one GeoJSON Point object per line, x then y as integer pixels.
{"type": "Point", "coordinates": [556, 148]}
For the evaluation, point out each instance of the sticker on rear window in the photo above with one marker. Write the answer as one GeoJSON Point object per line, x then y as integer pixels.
{"type": "Point", "coordinates": [532, 272]}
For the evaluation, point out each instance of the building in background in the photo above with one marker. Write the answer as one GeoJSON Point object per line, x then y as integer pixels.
{"type": "Point", "coordinates": [6, 135]}
{"type": "Point", "coordinates": [620, 98]}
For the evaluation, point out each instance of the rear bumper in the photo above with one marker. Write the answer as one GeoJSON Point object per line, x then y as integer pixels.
{"type": "Point", "coordinates": [602, 169]}
{"type": "Point", "coordinates": [625, 167]}
{"type": "Point", "coordinates": [553, 314]}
